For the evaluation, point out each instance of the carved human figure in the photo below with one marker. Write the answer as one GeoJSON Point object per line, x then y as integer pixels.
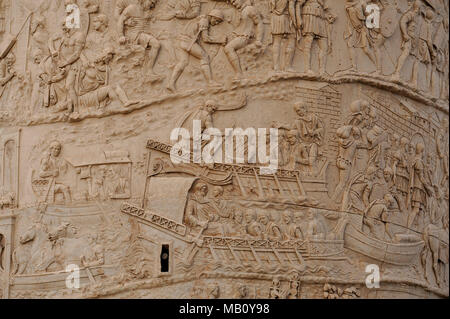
{"type": "Point", "coordinates": [294, 289]}
{"type": "Point", "coordinates": [295, 153]}
{"type": "Point", "coordinates": [315, 229]}
{"type": "Point", "coordinates": [251, 28]}
{"type": "Point", "coordinates": [425, 50]}
{"type": "Point", "coordinates": [184, 9]}
{"type": "Point", "coordinates": [94, 84]}
{"type": "Point", "coordinates": [376, 217]}
{"type": "Point", "coordinates": [442, 151]}
{"type": "Point", "coordinates": [195, 215]}
{"type": "Point", "coordinates": [65, 50]}
{"type": "Point", "coordinates": [252, 228]}
{"type": "Point", "coordinates": [356, 197]}
{"type": "Point", "coordinates": [235, 226]}
{"type": "Point", "coordinates": [6, 198]}
{"type": "Point", "coordinates": [275, 291]}
{"type": "Point", "coordinates": [53, 166]}
{"type": "Point", "coordinates": [242, 292]}
{"type": "Point", "coordinates": [440, 60]}
{"type": "Point", "coordinates": [349, 139]}
{"type": "Point", "coordinates": [401, 170]}
{"type": "Point", "coordinates": [270, 230]}
{"type": "Point", "coordinates": [359, 36]}
{"type": "Point", "coordinates": [313, 24]}
{"type": "Point", "coordinates": [290, 229]}
{"type": "Point", "coordinates": [419, 188]}
{"type": "Point", "coordinates": [132, 29]}
{"type": "Point", "coordinates": [283, 28]}
{"type": "Point", "coordinates": [189, 45]}
{"type": "Point", "coordinates": [408, 24]}
{"type": "Point", "coordinates": [6, 71]}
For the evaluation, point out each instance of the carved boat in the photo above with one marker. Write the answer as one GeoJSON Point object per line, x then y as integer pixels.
{"type": "Point", "coordinates": [392, 253]}
{"type": "Point", "coordinates": [53, 280]}
{"type": "Point", "coordinates": [283, 186]}
{"type": "Point", "coordinates": [240, 251]}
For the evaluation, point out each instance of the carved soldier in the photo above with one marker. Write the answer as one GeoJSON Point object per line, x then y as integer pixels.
{"type": "Point", "coordinates": [54, 167]}
{"type": "Point", "coordinates": [250, 28]}
{"type": "Point", "coordinates": [376, 217]}
{"type": "Point", "coordinates": [441, 59]}
{"type": "Point", "coordinates": [419, 188]}
{"type": "Point", "coordinates": [313, 24]}
{"type": "Point", "coordinates": [132, 29]}
{"type": "Point", "coordinates": [235, 226]}
{"type": "Point", "coordinates": [283, 27]}
{"type": "Point", "coordinates": [408, 24]}
{"type": "Point", "coordinates": [275, 291]}
{"type": "Point", "coordinates": [359, 36]}
{"type": "Point", "coordinates": [442, 150]}
{"type": "Point", "coordinates": [189, 45]}
{"type": "Point", "coordinates": [425, 51]}
{"type": "Point", "coordinates": [400, 169]}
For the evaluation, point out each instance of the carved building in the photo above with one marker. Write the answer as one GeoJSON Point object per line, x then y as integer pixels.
{"type": "Point", "coordinates": [90, 176]}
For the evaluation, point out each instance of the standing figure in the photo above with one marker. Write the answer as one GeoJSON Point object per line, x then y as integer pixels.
{"type": "Point", "coordinates": [189, 45]}
{"type": "Point", "coordinates": [6, 71]}
{"type": "Point", "coordinates": [245, 33]}
{"type": "Point", "coordinates": [349, 139]}
{"type": "Point", "coordinates": [54, 167]}
{"type": "Point", "coordinates": [419, 188]}
{"type": "Point", "coordinates": [283, 27]}
{"type": "Point", "coordinates": [132, 29]}
{"type": "Point", "coordinates": [400, 170]}
{"type": "Point", "coordinates": [359, 36]}
{"type": "Point", "coordinates": [441, 58]}
{"type": "Point", "coordinates": [65, 51]}
{"type": "Point", "coordinates": [408, 24]}
{"type": "Point", "coordinates": [313, 24]}
{"type": "Point", "coordinates": [425, 51]}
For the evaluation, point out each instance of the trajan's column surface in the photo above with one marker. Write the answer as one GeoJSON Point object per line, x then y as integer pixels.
{"type": "Point", "coordinates": [224, 149]}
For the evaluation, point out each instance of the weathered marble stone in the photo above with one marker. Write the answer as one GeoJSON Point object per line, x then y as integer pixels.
{"type": "Point", "coordinates": [336, 185]}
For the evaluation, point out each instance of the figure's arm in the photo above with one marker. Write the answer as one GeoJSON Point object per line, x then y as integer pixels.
{"type": "Point", "coordinates": [206, 37]}
{"type": "Point", "coordinates": [51, 45]}
{"type": "Point", "coordinates": [258, 22]}
{"type": "Point", "coordinates": [404, 27]}
{"type": "Point", "coordinates": [121, 25]}
{"type": "Point", "coordinates": [292, 12]}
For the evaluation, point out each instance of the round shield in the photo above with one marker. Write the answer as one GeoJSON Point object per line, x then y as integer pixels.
{"type": "Point", "coordinates": [389, 21]}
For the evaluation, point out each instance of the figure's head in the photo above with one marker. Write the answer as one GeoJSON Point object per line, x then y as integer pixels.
{"type": "Point", "coordinates": [239, 4]}
{"type": "Point", "coordinates": [416, 5]}
{"type": "Point", "coordinates": [276, 282]}
{"type": "Point", "coordinates": [243, 291]}
{"type": "Point", "coordinates": [298, 217]}
{"type": "Point", "coordinates": [286, 217]}
{"type": "Point", "coordinates": [148, 4]}
{"type": "Point", "coordinates": [310, 214]}
{"type": "Point", "coordinates": [249, 216]}
{"type": "Point", "coordinates": [210, 106]}
{"type": "Point", "coordinates": [263, 218]}
{"type": "Point", "coordinates": [201, 189]}
{"type": "Point", "coordinates": [64, 26]}
{"type": "Point", "coordinates": [238, 216]}
{"type": "Point", "coordinates": [291, 136]}
{"type": "Point", "coordinates": [300, 108]}
{"type": "Point", "coordinates": [10, 59]}
{"type": "Point", "coordinates": [404, 142]}
{"type": "Point", "coordinates": [420, 148]}
{"type": "Point", "coordinates": [429, 14]}
{"type": "Point", "coordinates": [394, 139]}
{"type": "Point", "coordinates": [100, 22]}
{"type": "Point", "coordinates": [217, 191]}
{"type": "Point", "coordinates": [358, 107]}
{"type": "Point", "coordinates": [389, 199]}
{"type": "Point", "coordinates": [388, 173]}
{"type": "Point", "coordinates": [215, 17]}
{"type": "Point", "coordinates": [55, 148]}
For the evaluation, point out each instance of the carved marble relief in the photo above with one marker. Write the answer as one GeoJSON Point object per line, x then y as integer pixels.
{"type": "Point", "coordinates": [96, 98]}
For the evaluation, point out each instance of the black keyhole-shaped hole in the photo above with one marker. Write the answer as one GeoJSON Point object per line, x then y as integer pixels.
{"type": "Point", "coordinates": [164, 258]}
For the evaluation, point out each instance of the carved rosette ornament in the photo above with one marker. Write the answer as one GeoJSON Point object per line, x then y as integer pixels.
{"type": "Point", "coordinates": [281, 148]}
